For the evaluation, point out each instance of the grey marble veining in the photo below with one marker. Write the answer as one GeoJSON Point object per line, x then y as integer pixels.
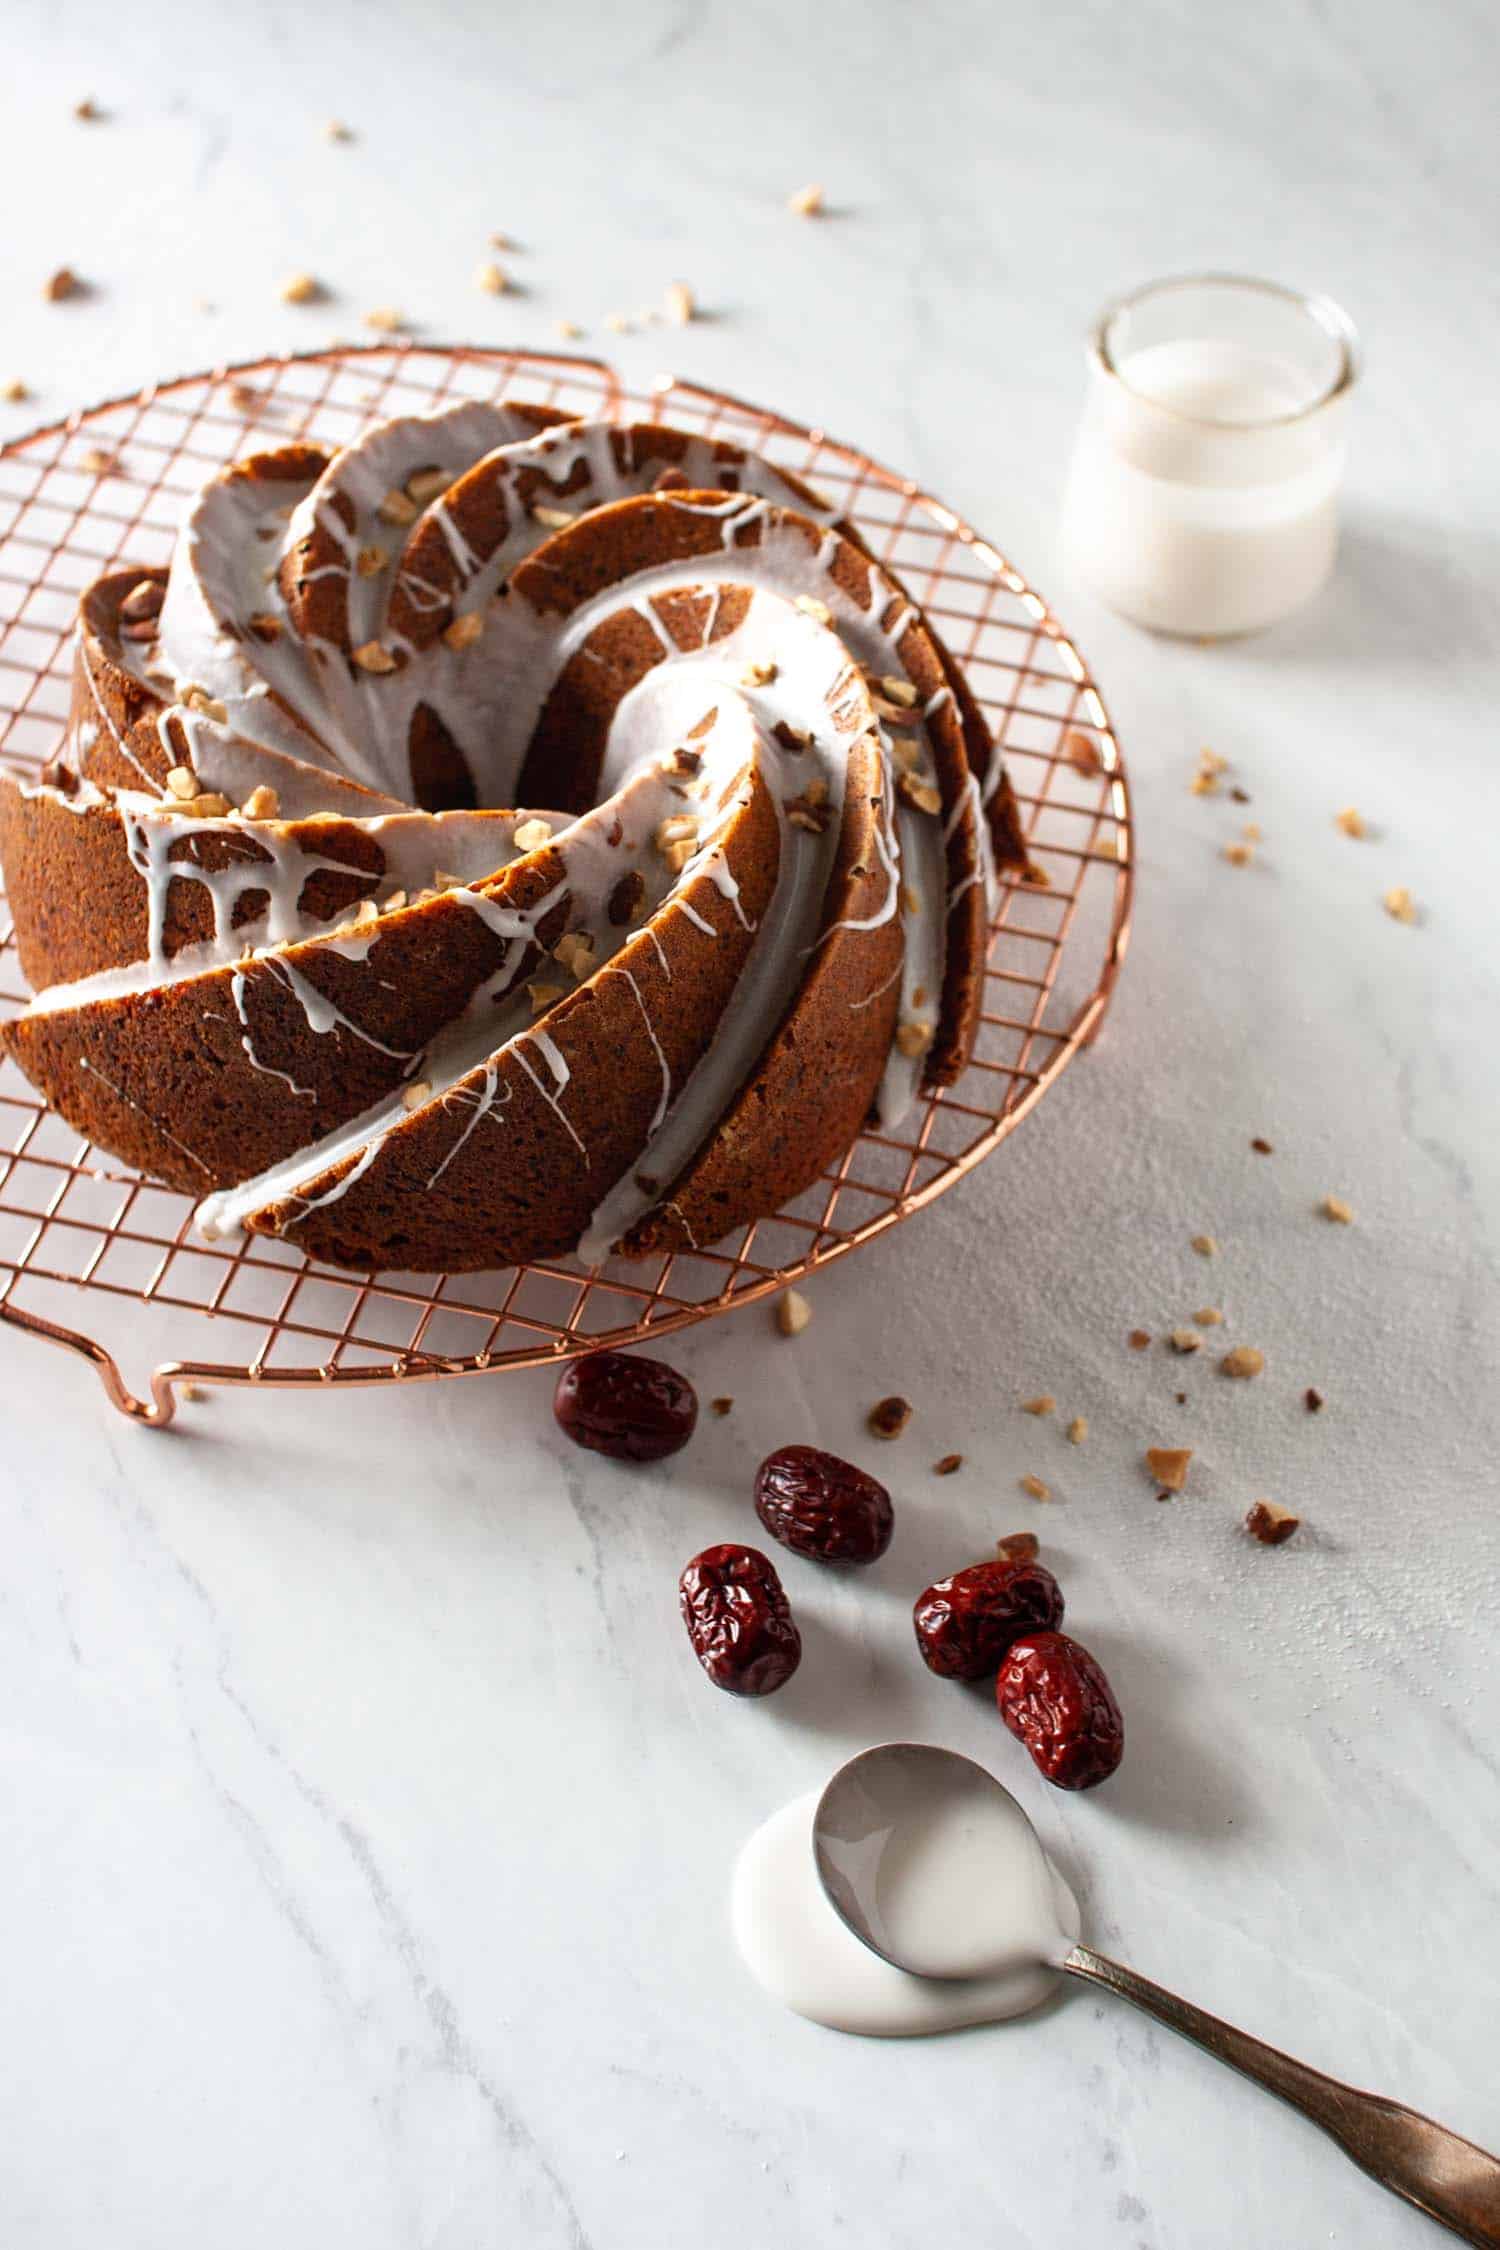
{"type": "Point", "coordinates": [369, 1827]}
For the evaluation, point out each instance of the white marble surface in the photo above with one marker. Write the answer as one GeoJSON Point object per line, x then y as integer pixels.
{"type": "Point", "coordinates": [367, 1823]}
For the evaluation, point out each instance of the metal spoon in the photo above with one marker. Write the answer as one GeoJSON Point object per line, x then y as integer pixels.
{"type": "Point", "coordinates": [869, 1829]}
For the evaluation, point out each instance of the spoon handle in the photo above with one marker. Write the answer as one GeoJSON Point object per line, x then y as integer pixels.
{"type": "Point", "coordinates": [1450, 2179]}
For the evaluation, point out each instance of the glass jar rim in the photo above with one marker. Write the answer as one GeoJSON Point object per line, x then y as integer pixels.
{"type": "Point", "coordinates": [1321, 310]}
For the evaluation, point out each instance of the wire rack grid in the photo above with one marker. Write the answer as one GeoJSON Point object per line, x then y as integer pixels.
{"type": "Point", "coordinates": [102, 1262]}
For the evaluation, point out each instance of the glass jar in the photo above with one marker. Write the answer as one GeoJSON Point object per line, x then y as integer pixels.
{"type": "Point", "coordinates": [1203, 493]}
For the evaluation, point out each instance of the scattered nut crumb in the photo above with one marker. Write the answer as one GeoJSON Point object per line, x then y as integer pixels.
{"type": "Point", "coordinates": [1031, 873]}
{"type": "Point", "coordinates": [371, 561]}
{"type": "Point", "coordinates": [302, 289]}
{"type": "Point", "coordinates": [386, 319]}
{"type": "Point", "coordinates": [413, 1096]}
{"type": "Point", "coordinates": [680, 303]}
{"type": "Point", "coordinates": [1169, 1465]}
{"type": "Point", "coordinates": [1209, 761]}
{"type": "Point", "coordinates": [398, 507]}
{"type": "Point", "coordinates": [63, 283]}
{"type": "Point", "coordinates": [1240, 796]}
{"type": "Point", "coordinates": [1078, 1429]}
{"type": "Point", "coordinates": [1243, 1363]}
{"type": "Point", "coordinates": [373, 656]}
{"type": "Point", "coordinates": [1139, 1339]}
{"type": "Point", "coordinates": [102, 463]}
{"type": "Point", "coordinates": [617, 324]}
{"type": "Point", "coordinates": [1044, 1404]}
{"type": "Point", "coordinates": [544, 996]}
{"type": "Point", "coordinates": [810, 606]}
{"type": "Point", "coordinates": [337, 130]}
{"type": "Point", "coordinates": [1185, 1340]}
{"type": "Point", "coordinates": [1269, 1524]}
{"type": "Point", "coordinates": [720, 1406]}
{"type": "Point", "coordinates": [807, 203]}
{"type": "Point", "coordinates": [1350, 822]}
{"type": "Point", "coordinates": [1204, 784]}
{"type": "Point", "coordinates": [1261, 1146]}
{"type": "Point", "coordinates": [569, 330]}
{"type": "Point", "coordinates": [574, 951]}
{"type": "Point", "coordinates": [1312, 1400]}
{"type": "Point", "coordinates": [1019, 1546]}
{"type": "Point", "coordinates": [913, 1039]}
{"type": "Point", "coordinates": [1209, 1317]}
{"type": "Point", "coordinates": [1399, 904]}
{"type": "Point", "coordinates": [88, 112]}
{"type": "Point", "coordinates": [1035, 1487]}
{"type": "Point", "coordinates": [1205, 1245]}
{"type": "Point", "coordinates": [1252, 832]}
{"type": "Point", "coordinates": [1334, 1207]}
{"type": "Point", "coordinates": [182, 782]}
{"type": "Point", "coordinates": [190, 1393]}
{"type": "Point", "coordinates": [491, 279]}
{"type": "Point", "coordinates": [14, 392]}
{"type": "Point", "coordinates": [1082, 753]}
{"type": "Point", "coordinates": [501, 242]}
{"type": "Point", "coordinates": [1238, 855]}
{"type": "Point", "coordinates": [889, 1417]}
{"type": "Point", "coordinates": [793, 1312]}
{"type": "Point", "coordinates": [261, 804]}
{"type": "Point", "coordinates": [950, 1463]}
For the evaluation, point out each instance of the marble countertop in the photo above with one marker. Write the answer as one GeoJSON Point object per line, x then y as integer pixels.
{"type": "Point", "coordinates": [369, 1826]}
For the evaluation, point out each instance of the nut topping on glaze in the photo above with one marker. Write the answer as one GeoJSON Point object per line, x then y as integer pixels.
{"type": "Point", "coordinates": [631, 1409]}
{"type": "Point", "coordinates": [739, 1620]}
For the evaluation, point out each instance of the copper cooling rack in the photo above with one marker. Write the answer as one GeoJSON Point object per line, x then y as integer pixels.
{"type": "Point", "coordinates": [99, 1260]}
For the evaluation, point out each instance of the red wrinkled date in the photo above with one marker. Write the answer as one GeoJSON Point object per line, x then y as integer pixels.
{"type": "Point", "coordinates": [631, 1409]}
{"type": "Point", "coordinates": [1055, 1699]}
{"type": "Point", "coordinates": [822, 1507]}
{"type": "Point", "coordinates": [739, 1620]}
{"type": "Point", "coordinates": [966, 1624]}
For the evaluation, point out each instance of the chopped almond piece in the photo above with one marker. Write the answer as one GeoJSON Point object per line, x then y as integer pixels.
{"type": "Point", "coordinates": [337, 130]}
{"type": "Point", "coordinates": [531, 835]}
{"type": "Point", "coordinates": [575, 952]}
{"type": "Point", "coordinates": [182, 782]}
{"type": "Point", "coordinates": [807, 203]}
{"type": "Point", "coordinates": [1334, 1207]}
{"type": "Point", "coordinates": [1019, 1546]}
{"type": "Point", "coordinates": [413, 1096]}
{"type": "Point", "coordinates": [1078, 1429]}
{"type": "Point", "coordinates": [1082, 753]}
{"type": "Point", "coordinates": [793, 1312]}
{"type": "Point", "coordinates": [1351, 822]}
{"type": "Point", "coordinates": [63, 283]}
{"type": "Point", "coordinates": [810, 606]}
{"type": "Point", "coordinates": [948, 1465]}
{"type": "Point", "coordinates": [680, 303]}
{"type": "Point", "coordinates": [1138, 1339]}
{"type": "Point", "coordinates": [491, 279]}
{"type": "Point", "coordinates": [1185, 1340]}
{"type": "Point", "coordinates": [301, 289]}
{"type": "Point", "coordinates": [261, 804]}
{"type": "Point", "coordinates": [1169, 1465]}
{"type": "Point", "coordinates": [553, 519]}
{"type": "Point", "coordinates": [1044, 1404]}
{"type": "Point", "coordinates": [1399, 904]}
{"type": "Point", "coordinates": [386, 320]}
{"type": "Point", "coordinates": [1243, 1363]}
{"type": "Point", "coordinates": [543, 996]}
{"type": "Point", "coordinates": [1271, 1525]}
{"type": "Point", "coordinates": [464, 630]}
{"type": "Point", "coordinates": [1261, 1146]}
{"type": "Point", "coordinates": [1035, 1487]}
{"type": "Point", "coordinates": [1205, 1245]}
{"type": "Point", "coordinates": [889, 1417]}
{"type": "Point", "coordinates": [569, 330]}
{"type": "Point", "coordinates": [371, 561]}
{"type": "Point", "coordinates": [15, 392]}
{"type": "Point", "coordinates": [397, 507]}
{"type": "Point", "coordinates": [720, 1406]}
{"type": "Point", "coordinates": [913, 1039]}
{"type": "Point", "coordinates": [1209, 1317]}
{"type": "Point", "coordinates": [1238, 855]}
{"type": "Point", "coordinates": [373, 656]}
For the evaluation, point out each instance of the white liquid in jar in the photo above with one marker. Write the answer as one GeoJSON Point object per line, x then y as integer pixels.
{"type": "Point", "coordinates": [1193, 504]}
{"type": "Point", "coordinates": [966, 1893]}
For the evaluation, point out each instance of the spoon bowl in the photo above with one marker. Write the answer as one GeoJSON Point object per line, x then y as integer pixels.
{"type": "Point", "coordinates": [929, 1861]}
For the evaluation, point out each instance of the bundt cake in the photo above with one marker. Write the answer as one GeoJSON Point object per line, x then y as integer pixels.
{"type": "Point", "coordinates": [292, 957]}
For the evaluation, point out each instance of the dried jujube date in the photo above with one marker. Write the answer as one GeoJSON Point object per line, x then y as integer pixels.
{"type": "Point", "coordinates": [965, 1624]}
{"type": "Point", "coordinates": [822, 1507]}
{"type": "Point", "coordinates": [739, 1620]}
{"type": "Point", "coordinates": [631, 1409]}
{"type": "Point", "coordinates": [1054, 1697]}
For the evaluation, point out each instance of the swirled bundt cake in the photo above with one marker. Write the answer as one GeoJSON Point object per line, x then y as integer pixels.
{"type": "Point", "coordinates": [297, 952]}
